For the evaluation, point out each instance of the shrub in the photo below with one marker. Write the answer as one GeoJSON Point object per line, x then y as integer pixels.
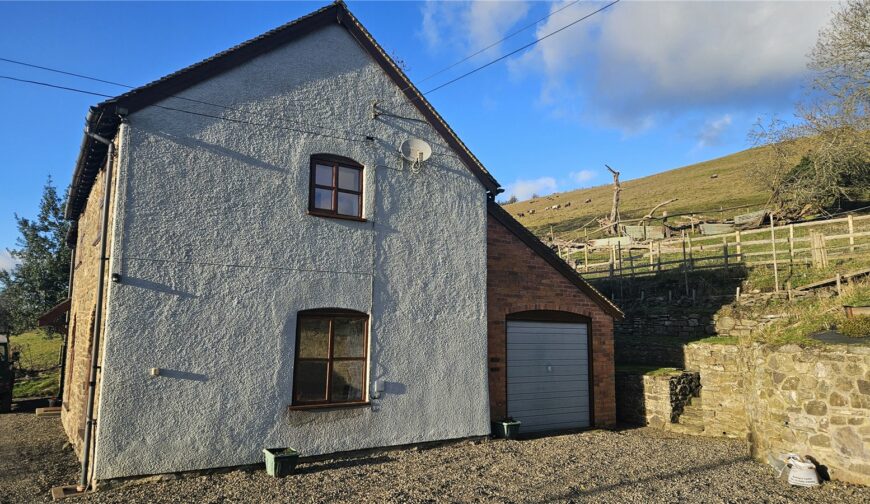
{"type": "Point", "coordinates": [856, 327]}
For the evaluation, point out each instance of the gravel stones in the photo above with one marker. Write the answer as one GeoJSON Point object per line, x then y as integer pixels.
{"type": "Point", "coordinates": [637, 465]}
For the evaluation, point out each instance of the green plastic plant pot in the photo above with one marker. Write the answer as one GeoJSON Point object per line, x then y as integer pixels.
{"type": "Point", "coordinates": [280, 462]}
{"type": "Point", "coordinates": [506, 429]}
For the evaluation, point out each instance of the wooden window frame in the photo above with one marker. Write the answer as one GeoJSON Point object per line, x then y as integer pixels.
{"type": "Point", "coordinates": [335, 162]}
{"type": "Point", "coordinates": [330, 315]}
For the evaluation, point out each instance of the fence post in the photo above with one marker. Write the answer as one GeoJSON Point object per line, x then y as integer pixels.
{"type": "Point", "coordinates": [791, 241]}
{"type": "Point", "coordinates": [651, 268]}
{"type": "Point", "coordinates": [619, 248]}
{"type": "Point", "coordinates": [851, 235]}
{"type": "Point", "coordinates": [612, 260]}
{"type": "Point", "coordinates": [659, 255]}
{"type": "Point", "coordinates": [691, 256]}
{"type": "Point", "coordinates": [818, 248]}
{"type": "Point", "coordinates": [631, 262]}
{"type": "Point", "coordinates": [586, 258]}
{"type": "Point", "coordinates": [739, 246]}
{"type": "Point", "coordinates": [684, 250]}
{"type": "Point", "coordinates": [773, 249]}
{"type": "Point", "coordinates": [685, 265]}
{"type": "Point", "coordinates": [725, 251]}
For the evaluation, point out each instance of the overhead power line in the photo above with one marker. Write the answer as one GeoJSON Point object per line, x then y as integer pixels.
{"type": "Point", "coordinates": [499, 41]}
{"type": "Point", "coordinates": [519, 49]}
{"type": "Point", "coordinates": [55, 70]}
{"type": "Point", "coordinates": [127, 86]}
{"type": "Point", "coordinates": [47, 84]}
{"type": "Point", "coordinates": [191, 112]}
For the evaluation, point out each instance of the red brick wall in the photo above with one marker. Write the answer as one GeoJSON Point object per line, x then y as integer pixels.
{"type": "Point", "coordinates": [518, 279]}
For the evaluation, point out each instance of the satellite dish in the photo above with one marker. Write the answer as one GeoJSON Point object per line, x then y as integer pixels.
{"type": "Point", "coordinates": [415, 150]}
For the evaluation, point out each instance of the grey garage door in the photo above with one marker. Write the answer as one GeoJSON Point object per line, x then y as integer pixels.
{"type": "Point", "coordinates": [548, 375]}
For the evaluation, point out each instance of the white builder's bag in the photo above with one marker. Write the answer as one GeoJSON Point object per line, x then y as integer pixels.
{"type": "Point", "coordinates": [802, 473]}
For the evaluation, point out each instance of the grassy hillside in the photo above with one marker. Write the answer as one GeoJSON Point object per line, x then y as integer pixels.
{"type": "Point", "coordinates": [38, 368]}
{"type": "Point", "coordinates": [693, 185]}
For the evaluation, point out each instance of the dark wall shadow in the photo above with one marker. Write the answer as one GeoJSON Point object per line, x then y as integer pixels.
{"type": "Point", "coordinates": [182, 375]}
{"type": "Point", "coordinates": [217, 150]}
{"type": "Point", "coordinates": [630, 399]}
{"type": "Point", "coordinates": [156, 287]}
{"type": "Point", "coordinates": [686, 300]}
{"type": "Point", "coordinates": [655, 478]}
{"type": "Point", "coordinates": [326, 465]}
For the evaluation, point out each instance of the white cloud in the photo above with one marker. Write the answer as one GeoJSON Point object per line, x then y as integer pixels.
{"type": "Point", "coordinates": [713, 130]}
{"type": "Point", "coordinates": [524, 189]}
{"type": "Point", "coordinates": [490, 21]}
{"type": "Point", "coordinates": [638, 60]}
{"type": "Point", "coordinates": [7, 262]}
{"type": "Point", "coordinates": [582, 176]}
{"type": "Point", "coordinates": [469, 26]}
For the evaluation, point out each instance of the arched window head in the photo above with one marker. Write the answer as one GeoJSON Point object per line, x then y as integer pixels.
{"type": "Point", "coordinates": [336, 187]}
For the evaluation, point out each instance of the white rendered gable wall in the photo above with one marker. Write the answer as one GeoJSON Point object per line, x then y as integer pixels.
{"type": "Point", "coordinates": [217, 256]}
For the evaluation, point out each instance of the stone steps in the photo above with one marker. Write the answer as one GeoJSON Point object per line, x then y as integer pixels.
{"type": "Point", "coordinates": [691, 421]}
{"type": "Point", "coordinates": [696, 420]}
{"type": "Point", "coordinates": [693, 430]}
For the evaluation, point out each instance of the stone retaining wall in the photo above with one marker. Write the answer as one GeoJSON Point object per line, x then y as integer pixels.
{"type": "Point", "coordinates": [724, 380]}
{"type": "Point", "coordinates": [657, 339]}
{"type": "Point", "coordinates": [812, 401]}
{"type": "Point", "coordinates": [654, 400]}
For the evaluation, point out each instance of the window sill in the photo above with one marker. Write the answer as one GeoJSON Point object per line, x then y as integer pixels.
{"type": "Point", "coordinates": [304, 407]}
{"type": "Point", "coordinates": [328, 215]}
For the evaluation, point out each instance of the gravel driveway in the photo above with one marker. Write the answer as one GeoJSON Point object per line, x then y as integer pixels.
{"type": "Point", "coordinates": [637, 465]}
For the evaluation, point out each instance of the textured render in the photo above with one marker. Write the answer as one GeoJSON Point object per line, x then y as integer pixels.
{"type": "Point", "coordinates": [217, 256]}
{"type": "Point", "coordinates": [520, 280]}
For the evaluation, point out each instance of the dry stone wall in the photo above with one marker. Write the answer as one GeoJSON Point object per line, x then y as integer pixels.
{"type": "Point", "coordinates": [812, 401]}
{"type": "Point", "coordinates": [724, 387]}
{"type": "Point", "coordinates": [654, 400]}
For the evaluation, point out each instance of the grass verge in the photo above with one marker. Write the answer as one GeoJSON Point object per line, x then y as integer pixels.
{"type": "Point", "coordinates": [38, 373]}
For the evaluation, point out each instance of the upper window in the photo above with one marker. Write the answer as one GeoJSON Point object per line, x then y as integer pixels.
{"type": "Point", "coordinates": [330, 366]}
{"type": "Point", "coordinates": [336, 187]}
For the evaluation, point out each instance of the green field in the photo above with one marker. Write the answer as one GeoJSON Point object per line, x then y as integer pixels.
{"type": "Point", "coordinates": [38, 371]}
{"type": "Point", "coordinates": [692, 185]}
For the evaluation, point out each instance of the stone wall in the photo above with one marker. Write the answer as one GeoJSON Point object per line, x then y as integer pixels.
{"type": "Point", "coordinates": [654, 332]}
{"type": "Point", "coordinates": [741, 326]}
{"type": "Point", "coordinates": [812, 401]}
{"type": "Point", "coordinates": [815, 401]}
{"type": "Point", "coordinates": [83, 306]}
{"type": "Point", "coordinates": [725, 388]}
{"type": "Point", "coordinates": [656, 400]}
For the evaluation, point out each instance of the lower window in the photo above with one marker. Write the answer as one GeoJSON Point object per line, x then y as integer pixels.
{"type": "Point", "coordinates": [330, 364]}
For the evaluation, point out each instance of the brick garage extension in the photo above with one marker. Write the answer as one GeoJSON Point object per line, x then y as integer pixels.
{"type": "Point", "coordinates": [522, 277]}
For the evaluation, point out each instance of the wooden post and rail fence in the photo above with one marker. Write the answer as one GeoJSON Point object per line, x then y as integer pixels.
{"type": "Point", "coordinates": [807, 243]}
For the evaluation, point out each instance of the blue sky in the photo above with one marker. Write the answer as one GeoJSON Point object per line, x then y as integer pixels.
{"type": "Point", "coordinates": [644, 86]}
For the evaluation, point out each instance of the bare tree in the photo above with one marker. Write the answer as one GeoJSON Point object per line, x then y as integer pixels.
{"type": "Point", "coordinates": [824, 157]}
{"type": "Point", "coordinates": [613, 220]}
